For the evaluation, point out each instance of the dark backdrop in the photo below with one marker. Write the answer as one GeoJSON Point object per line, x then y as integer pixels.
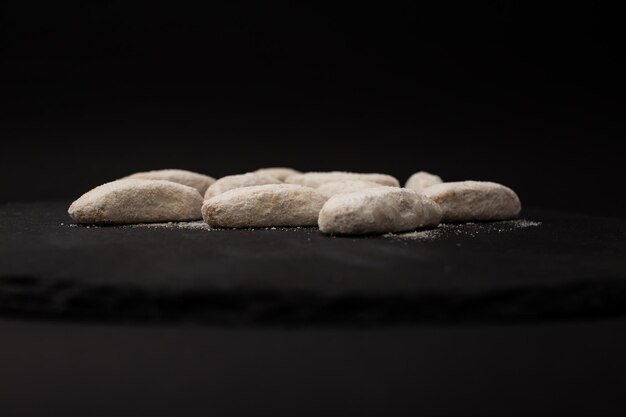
{"type": "Point", "coordinates": [527, 96]}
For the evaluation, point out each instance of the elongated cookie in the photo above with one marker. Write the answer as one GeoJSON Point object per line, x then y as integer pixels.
{"type": "Point", "coordinates": [315, 179]}
{"type": "Point", "coordinates": [378, 210]}
{"type": "Point", "coordinates": [264, 206]}
{"type": "Point", "coordinates": [329, 189]}
{"type": "Point", "coordinates": [280, 173]}
{"type": "Point", "coordinates": [475, 200]}
{"type": "Point", "coordinates": [231, 182]}
{"type": "Point", "coordinates": [198, 181]}
{"type": "Point", "coordinates": [137, 201]}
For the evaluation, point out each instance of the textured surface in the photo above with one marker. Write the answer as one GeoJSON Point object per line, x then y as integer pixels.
{"type": "Point", "coordinates": [329, 189]}
{"type": "Point", "coordinates": [137, 201]}
{"type": "Point", "coordinates": [422, 180]}
{"type": "Point", "coordinates": [571, 265]}
{"type": "Point", "coordinates": [280, 173]}
{"type": "Point", "coordinates": [192, 179]}
{"type": "Point", "coordinates": [315, 179]}
{"type": "Point", "coordinates": [231, 182]}
{"type": "Point", "coordinates": [264, 205]}
{"type": "Point", "coordinates": [378, 210]}
{"type": "Point", "coordinates": [475, 201]}
{"type": "Point", "coordinates": [552, 369]}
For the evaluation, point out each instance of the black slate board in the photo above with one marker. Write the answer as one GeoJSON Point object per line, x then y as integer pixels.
{"type": "Point", "coordinates": [569, 266]}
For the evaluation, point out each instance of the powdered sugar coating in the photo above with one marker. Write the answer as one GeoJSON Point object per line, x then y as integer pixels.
{"type": "Point", "coordinates": [378, 210]}
{"type": "Point", "coordinates": [231, 182]}
{"type": "Point", "coordinates": [330, 189]}
{"type": "Point", "coordinates": [315, 179]}
{"type": "Point", "coordinates": [422, 180]}
{"type": "Point", "coordinates": [192, 179]}
{"type": "Point", "coordinates": [475, 200]}
{"type": "Point", "coordinates": [264, 206]}
{"type": "Point", "coordinates": [137, 201]}
{"type": "Point", "coordinates": [280, 173]}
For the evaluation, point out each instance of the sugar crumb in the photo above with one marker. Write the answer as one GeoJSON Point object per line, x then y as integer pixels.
{"type": "Point", "coordinates": [465, 229]}
{"type": "Point", "coordinates": [196, 225]}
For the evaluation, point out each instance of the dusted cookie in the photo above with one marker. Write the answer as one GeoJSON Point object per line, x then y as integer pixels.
{"type": "Point", "coordinates": [280, 173]}
{"type": "Point", "coordinates": [198, 181]}
{"type": "Point", "coordinates": [231, 182]}
{"type": "Point", "coordinates": [329, 189]}
{"type": "Point", "coordinates": [422, 180]}
{"type": "Point", "coordinates": [137, 201]}
{"type": "Point", "coordinates": [264, 206]}
{"type": "Point", "coordinates": [475, 200]}
{"type": "Point", "coordinates": [315, 179]}
{"type": "Point", "coordinates": [378, 210]}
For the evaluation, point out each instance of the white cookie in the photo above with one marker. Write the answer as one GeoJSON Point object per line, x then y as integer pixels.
{"type": "Point", "coordinates": [137, 201]}
{"type": "Point", "coordinates": [264, 206]}
{"type": "Point", "coordinates": [198, 181]}
{"type": "Point", "coordinates": [231, 182]}
{"type": "Point", "coordinates": [315, 179]}
{"type": "Point", "coordinates": [280, 173]}
{"type": "Point", "coordinates": [475, 200]}
{"type": "Point", "coordinates": [422, 180]}
{"type": "Point", "coordinates": [378, 210]}
{"type": "Point", "coordinates": [330, 189]}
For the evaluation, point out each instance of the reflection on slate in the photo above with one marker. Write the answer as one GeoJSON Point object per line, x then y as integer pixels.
{"type": "Point", "coordinates": [570, 266]}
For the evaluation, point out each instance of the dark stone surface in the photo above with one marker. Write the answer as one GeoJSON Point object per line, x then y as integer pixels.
{"type": "Point", "coordinates": [574, 368]}
{"type": "Point", "coordinates": [570, 266]}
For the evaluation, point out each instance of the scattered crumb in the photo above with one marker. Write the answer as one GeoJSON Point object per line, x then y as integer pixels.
{"type": "Point", "coordinates": [197, 225]}
{"type": "Point", "coordinates": [417, 235]}
{"type": "Point", "coordinates": [447, 229]}
{"type": "Point", "coordinates": [526, 223]}
{"type": "Point", "coordinates": [465, 229]}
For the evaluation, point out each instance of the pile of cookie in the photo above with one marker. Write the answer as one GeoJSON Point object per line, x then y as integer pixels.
{"type": "Point", "coordinates": [338, 202]}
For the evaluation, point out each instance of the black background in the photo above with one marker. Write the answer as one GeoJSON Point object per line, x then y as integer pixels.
{"type": "Point", "coordinates": [527, 96]}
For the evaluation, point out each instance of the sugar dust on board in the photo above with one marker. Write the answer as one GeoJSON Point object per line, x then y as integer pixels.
{"type": "Point", "coordinates": [465, 229]}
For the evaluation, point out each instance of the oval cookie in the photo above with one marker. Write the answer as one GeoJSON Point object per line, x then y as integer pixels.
{"type": "Point", "coordinates": [378, 210]}
{"type": "Point", "coordinates": [264, 206]}
{"type": "Point", "coordinates": [475, 200]}
{"type": "Point", "coordinates": [137, 201]}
